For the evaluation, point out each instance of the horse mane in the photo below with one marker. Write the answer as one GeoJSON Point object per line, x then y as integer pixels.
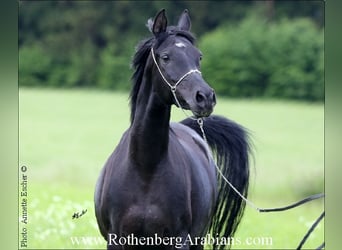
{"type": "Point", "coordinates": [141, 55]}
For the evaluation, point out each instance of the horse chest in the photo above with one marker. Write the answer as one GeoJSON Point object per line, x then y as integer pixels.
{"type": "Point", "coordinates": [146, 205]}
{"type": "Point", "coordinates": [161, 186]}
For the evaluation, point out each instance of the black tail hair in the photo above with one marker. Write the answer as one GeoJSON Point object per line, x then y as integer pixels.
{"type": "Point", "coordinates": [230, 146]}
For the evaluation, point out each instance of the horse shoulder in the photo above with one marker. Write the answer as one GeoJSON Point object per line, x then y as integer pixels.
{"type": "Point", "coordinates": [104, 184]}
{"type": "Point", "coordinates": [190, 139]}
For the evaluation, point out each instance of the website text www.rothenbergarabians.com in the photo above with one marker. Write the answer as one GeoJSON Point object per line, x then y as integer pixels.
{"type": "Point", "coordinates": [177, 242]}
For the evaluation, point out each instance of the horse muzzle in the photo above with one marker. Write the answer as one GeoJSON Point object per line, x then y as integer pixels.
{"type": "Point", "coordinates": [204, 103]}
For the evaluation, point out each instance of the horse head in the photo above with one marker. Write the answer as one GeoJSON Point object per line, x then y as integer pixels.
{"type": "Point", "coordinates": [177, 62]}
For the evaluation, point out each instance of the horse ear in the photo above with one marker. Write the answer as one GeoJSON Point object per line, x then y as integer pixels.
{"type": "Point", "coordinates": [184, 22]}
{"type": "Point", "coordinates": [159, 23]}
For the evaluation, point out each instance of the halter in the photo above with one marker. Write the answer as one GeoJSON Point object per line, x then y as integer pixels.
{"type": "Point", "coordinates": [173, 87]}
{"type": "Point", "coordinates": [173, 91]}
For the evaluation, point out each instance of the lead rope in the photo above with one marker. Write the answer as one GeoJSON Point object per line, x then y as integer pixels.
{"type": "Point", "coordinates": [200, 123]}
{"type": "Point", "coordinates": [250, 203]}
{"type": "Point", "coordinates": [263, 210]}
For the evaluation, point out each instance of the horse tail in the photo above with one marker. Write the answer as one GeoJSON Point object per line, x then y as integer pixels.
{"type": "Point", "coordinates": [230, 147]}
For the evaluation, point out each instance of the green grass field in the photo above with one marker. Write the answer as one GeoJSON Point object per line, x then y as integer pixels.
{"type": "Point", "coordinates": [65, 136]}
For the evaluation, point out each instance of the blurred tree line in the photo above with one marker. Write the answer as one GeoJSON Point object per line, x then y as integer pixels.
{"type": "Point", "coordinates": [251, 48]}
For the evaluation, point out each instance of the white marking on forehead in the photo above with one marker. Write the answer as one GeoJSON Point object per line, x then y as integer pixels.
{"type": "Point", "coordinates": [180, 45]}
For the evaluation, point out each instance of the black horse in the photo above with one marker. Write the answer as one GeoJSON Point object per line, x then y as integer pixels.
{"type": "Point", "coordinates": [160, 186]}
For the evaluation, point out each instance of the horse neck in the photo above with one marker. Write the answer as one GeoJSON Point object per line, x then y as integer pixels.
{"type": "Point", "coordinates": [149, 134]}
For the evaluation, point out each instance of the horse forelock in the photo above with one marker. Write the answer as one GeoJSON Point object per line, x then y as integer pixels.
{"type": "Point", "coordinates": [141, 55]}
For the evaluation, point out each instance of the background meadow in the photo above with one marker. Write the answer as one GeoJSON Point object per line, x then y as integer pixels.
{"type": "Point", "coordinates": [265, 59]}
{"type": "Point", "coordinates": [67, 135]}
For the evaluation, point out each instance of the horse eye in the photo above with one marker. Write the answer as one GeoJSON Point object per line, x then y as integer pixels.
{"type": "Point", "coordinates": [165, 58]}
{"type": "Point", "coordinates": [200, 58]}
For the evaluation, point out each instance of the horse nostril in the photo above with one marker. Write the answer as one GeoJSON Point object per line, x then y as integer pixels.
{"type": "Point", "coordinates": [200, 97]}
